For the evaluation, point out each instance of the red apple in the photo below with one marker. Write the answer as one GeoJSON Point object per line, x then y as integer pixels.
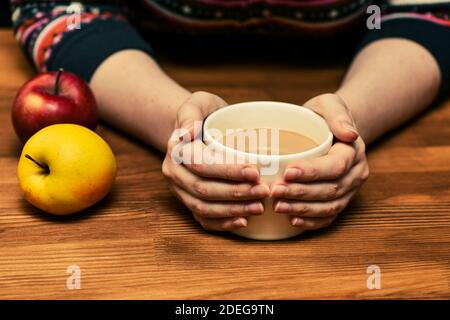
{"type": "Point", "coordinates": [52, 98]}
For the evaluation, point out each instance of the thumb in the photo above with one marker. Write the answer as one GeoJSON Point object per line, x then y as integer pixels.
{"type": "Point", "coordinates": [344, 129]}
{"type": "Point", "coordinates": [335, 112]}
{"type": "Point", "coordinates": [188, 118]}
{"type": "Point", "coordinates": [194, 110]}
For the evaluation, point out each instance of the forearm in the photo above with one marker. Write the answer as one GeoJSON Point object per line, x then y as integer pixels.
{"type": "Point", "coordinates": [136, 96]}
{"type": "Point", "coordinates": [389, 82]}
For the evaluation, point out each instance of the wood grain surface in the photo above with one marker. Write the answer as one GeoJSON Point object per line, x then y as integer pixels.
{"type": "Point", "coordinates": [140, 243]}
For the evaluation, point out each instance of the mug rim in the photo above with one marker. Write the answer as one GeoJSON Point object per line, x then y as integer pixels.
{"type": "Point", "coordinates": [304, 154]}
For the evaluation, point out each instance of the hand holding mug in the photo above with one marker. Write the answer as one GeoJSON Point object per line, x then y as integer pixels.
{"type": "Point", "coordinates": [220, 196]}
{"type": "Point", "coordinates": [314, 191]}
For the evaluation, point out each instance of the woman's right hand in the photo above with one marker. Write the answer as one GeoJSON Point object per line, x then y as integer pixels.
{"type": "Point", "coordinates": [220, 196]}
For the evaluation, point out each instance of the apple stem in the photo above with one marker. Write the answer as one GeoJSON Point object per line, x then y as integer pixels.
{"type": "Point", "coordinates": [58, 78]}
{"type": "Point", "coordinates": [44, 167]}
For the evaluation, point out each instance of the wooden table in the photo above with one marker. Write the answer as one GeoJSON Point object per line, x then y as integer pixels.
{"type": "Point", "coordinates": [141, 243]}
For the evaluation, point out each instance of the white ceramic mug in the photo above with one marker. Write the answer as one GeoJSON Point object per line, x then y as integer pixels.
{"type": "Point", "coordinates": [268, 114]}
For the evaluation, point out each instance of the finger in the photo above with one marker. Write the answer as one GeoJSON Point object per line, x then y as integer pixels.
{"type": "Point", "coordinates": [313, 209]}
{"type": "Point", "coordinates": [212, 189]}
{"type": "Point", "coordinates": [360, 149]}
{"type": "Point", "coordinates": [308, 192]}
{"type": "Point", "coordinates": [335, 164]}
{"type": "Point", "coordinates": [205, 209]}
{"type": "Point", "coordinates": [195, 109]}
{"type": "Point", "coordinates": [312, 223]}
{"type": "Point", "coordinates": [202, 161]}
{"type": "Point", "coordinates": [217, 167]}
{"type": "Point", "coordinates": [322, 191]}
{"type": "Point", "coordinates": [334, 110]}
{"type": "Point", "coordinates": [223, 224]}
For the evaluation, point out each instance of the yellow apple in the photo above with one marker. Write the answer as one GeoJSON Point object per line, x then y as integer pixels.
{"type": "Point", "coordinates": [65, 168]}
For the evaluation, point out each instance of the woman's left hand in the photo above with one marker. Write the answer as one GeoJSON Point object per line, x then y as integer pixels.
{"type": "Point", "coordinates": [314, 191]}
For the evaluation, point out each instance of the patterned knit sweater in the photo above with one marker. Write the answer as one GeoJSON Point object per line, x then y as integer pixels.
{"type": "Point", "coordinates": [78, 36]}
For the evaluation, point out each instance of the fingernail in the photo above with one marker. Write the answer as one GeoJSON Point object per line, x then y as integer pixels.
{"type": "Point", "coordinates": [260, 190]}
{"type": "Point", "coordinates": [292, 173]}
{"type": "Point", "coordinates": [297, 221]}
{"type": "Point", "coordinates": [240, 222]}
{"type": "Point", "coordinates": [282, 207]}
{"type": "Point", "coordinates": [250, 173]}
{"type": "Point", "coordinates": [279, 190]}
{"type": "Point", "coordinates": [255, 207]}
{"type": "Point", "coordinates": [349, 127]}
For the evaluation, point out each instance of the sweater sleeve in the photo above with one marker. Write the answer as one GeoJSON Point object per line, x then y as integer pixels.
{"type": "Point", "coordinates": [74, 36]}
{"type": "Point", "coordinates": [424, 22]}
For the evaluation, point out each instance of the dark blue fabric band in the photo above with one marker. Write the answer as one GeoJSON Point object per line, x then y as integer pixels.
{"type": "Point", "coordinates": [82, 51]}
